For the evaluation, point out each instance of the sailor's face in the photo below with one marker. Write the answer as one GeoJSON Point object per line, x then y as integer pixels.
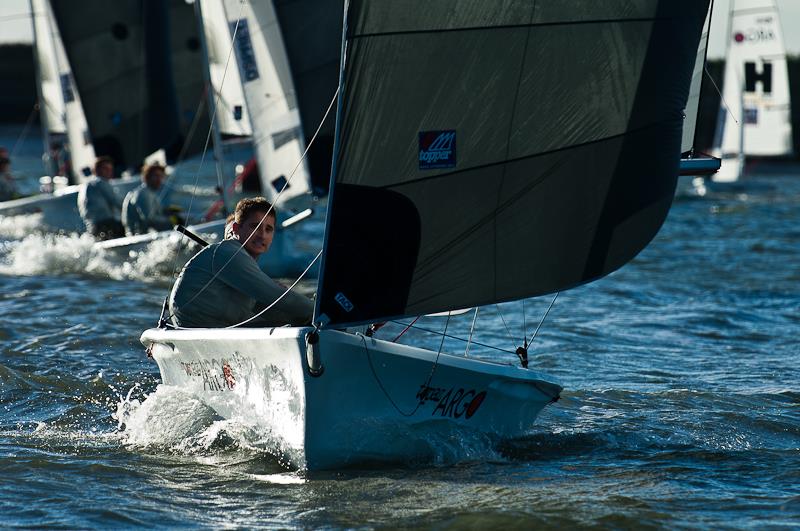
{"type": "Point", "coordinates": [155, 179]}
{"type": "Point", "coordinates": [105, 170]}
{"type": "Point", "coordinates": [256, 235]}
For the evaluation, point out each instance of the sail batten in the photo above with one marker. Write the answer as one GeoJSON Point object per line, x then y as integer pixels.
{"type": "Point", "coordinates": [506, 161]}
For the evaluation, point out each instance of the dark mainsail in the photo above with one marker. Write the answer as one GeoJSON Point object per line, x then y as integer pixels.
{"type": "Point", "coordinates": [120, 53]}
{"type": "Point", "coordinates": [492, 151]}
{"type": "Point", "coordinates": [312, 33]}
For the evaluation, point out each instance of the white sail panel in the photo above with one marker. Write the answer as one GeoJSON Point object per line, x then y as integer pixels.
{"type": "Point", "coordinates": [271, 100]}
{"type": "Point", "coordinates": [756, 86]}
{"type": "Point", "coordinates": [232, 115]}
{"type": "Point", "coordinates": [81, 149]}
{"type": "Point", "coordinates": [312, 34]}
{"type": "Point", "coordinates": [118, 56]}
{"type": "Point", "coordinates": [491, 151]}
{"type": "Point", "coordinates": [693, 103]}
{"type": "Point", "coordinates": [44, 51]}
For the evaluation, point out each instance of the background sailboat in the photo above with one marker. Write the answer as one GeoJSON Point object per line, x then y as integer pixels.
{"type": "Point", "coordinates": [754, 117]}
{"type": "Point", "coordinates": [485, 152]}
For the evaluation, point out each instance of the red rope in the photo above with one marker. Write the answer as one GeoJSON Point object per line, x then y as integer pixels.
{"type": "Point", "coordinates": [405, 330]}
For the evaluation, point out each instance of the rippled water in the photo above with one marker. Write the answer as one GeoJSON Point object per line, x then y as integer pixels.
{"type": "Point", "coordinates": [681, 406]}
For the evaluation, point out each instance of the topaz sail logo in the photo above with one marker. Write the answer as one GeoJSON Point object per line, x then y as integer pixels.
{"type": "Point", "coordinates": [437, 149]}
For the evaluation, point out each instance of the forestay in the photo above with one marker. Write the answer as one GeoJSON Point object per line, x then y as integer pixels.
{"type": "Point", "coordinates": [491, 151]}
{"type": "Point", "coordinates": [756, 77]}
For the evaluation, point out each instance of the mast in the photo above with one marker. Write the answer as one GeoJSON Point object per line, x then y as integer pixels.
{"type": "Point", "coordinates": [47, 161]}
{"type": "Point", "coordinates": [212, 109]}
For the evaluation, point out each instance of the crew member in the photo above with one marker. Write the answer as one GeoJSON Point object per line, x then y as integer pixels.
{"type": "Point", "coordinates": [222, 285]}
{"type": "Point", "coordinates": [98, 204]}
{"type": "Point", "coordinates": [141, 209]}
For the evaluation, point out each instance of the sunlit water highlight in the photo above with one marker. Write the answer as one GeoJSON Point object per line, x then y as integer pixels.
{"type": "Point", "coordinates": [681, 406]}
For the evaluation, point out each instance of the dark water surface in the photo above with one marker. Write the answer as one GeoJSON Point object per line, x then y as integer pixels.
{"type": "Point", "coordinates": [681, 406]}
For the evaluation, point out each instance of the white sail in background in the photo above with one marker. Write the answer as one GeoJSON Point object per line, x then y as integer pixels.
{"type": "Point", "coordinates": [44, 51]}
{"type": "Point", "coordinates": [82, 154]}
{"type": "Point", "coordinates": [756, 88]}
{"type": "Point", "coordinates": [231, 113]}
{"type": "Point", "coordinates": [271, 99]}
{"type": "Point", "coordinates": [693, 103]}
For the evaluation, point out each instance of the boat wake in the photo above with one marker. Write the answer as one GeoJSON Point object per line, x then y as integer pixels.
{"type": "Point", "coordinates": [17, 227]}
{"type": "Point", "coordinates": [52, 254]}
{"type": "Point", "coordinates": [176, 422]}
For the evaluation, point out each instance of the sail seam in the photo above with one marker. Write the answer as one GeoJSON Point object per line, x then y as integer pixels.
{"type": "Point", "coordinates": [508, 26]}
{"type": "Point", "coordinates": [510, 133]}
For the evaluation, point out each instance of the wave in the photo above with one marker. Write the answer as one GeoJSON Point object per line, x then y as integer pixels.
{"type": "Point", "coordinates": [59, 255]}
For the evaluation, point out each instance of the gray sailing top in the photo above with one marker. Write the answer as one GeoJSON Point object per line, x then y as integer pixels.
{"type": "Point", "coordinates": [8, 190]}
{"type": "Point", "coordinates": [239, 290]}
{"type": "Point", "coordinates": [142, 211]}
{"type": "Point", "coordinates": [97, 202]}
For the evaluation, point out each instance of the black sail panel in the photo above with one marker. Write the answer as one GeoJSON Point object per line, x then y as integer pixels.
{"type": "Point", "coordinates": [312, 34]}
{"type": "Point", "coordinates": [535, 146]}
{"type": "Point", "coordinates": [120, 57]}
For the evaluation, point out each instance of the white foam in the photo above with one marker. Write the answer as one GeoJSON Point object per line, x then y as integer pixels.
{"type": "Point", "coordinates": [17, 227]}
{"type": "Point", "coordinates": [54, 254]}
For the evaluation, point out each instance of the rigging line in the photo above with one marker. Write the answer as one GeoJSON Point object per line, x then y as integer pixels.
{"type": "Point", "coordinates": [406, 329]}
{"type": "Point", "coordinates": [471, 330]}
{"type": "Point", "coordinates": [208, 135]}
{"type": "Point", "coordinates": [543, 318]}
{"type": "Point", "coordinates": [722, 99]}
{"type": "Point", "coordinates": [216, 106]}
{"type": "Point", "coordinates": [277, 197]}
{"type": "Point", "coordinates": [184, 149]}
{"type": "Point", "coordinates": [262, 312]}
{"type": "Point", "coordinates": [510, 335]}
{"type": "Point", "coordinates": [290, 288]}
{"type": "Point", "coordinates": [499, 183]}
{"type": "Point", "coordinates": [524, 324]}
{"type": "Point", "coordinates": [24, 134]}
{"type": "Point", "coordinates": [424, 386]}
{"type": "Point", "coordinates": [457, 338]}
{"type": "Point", "coordinates": [509, 26]}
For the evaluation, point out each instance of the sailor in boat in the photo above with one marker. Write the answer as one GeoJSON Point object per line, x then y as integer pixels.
{"type": "Point", "coordinates": [222, 285]}
{"type": "Point", "coordinates": [142, 209]}
{"type": "Point", "coordinates": [8, 188]}
{"type": "Point", "coordinates": [98, 204]}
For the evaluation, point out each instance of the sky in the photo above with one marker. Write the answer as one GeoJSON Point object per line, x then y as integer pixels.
{"type": "Point", "coordinates": [15, 24]}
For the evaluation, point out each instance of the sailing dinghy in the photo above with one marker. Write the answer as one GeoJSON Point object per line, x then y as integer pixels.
{"type": "Point", "coordinates": [485, 152]}
{"type": "Point", "coordinates": [754, 115]}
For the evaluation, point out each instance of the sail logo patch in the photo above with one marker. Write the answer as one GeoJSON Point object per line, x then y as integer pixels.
{"type": "Point", "coordinates": [437, 149]}
{"type": "Point", "coordinates": [244, 50]}
{"type": "Point", "coordinates": [752, 76]}
{"type": "Point", "coordinates": [344, 302]}
{"type": "Point", "coordinates": [754, 35]}
{"type": "Point", "coordinates": [66, 88]}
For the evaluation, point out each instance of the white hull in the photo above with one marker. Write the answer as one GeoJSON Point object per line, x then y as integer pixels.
{"type": "Point", "coordinates": [369, 404]}
{"type": "Point", "coordinates": [730, 170]}
{"type": "Point", "coordinates": [284, 259]}
{"type": "Point", "coordinates": [59, 210]}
